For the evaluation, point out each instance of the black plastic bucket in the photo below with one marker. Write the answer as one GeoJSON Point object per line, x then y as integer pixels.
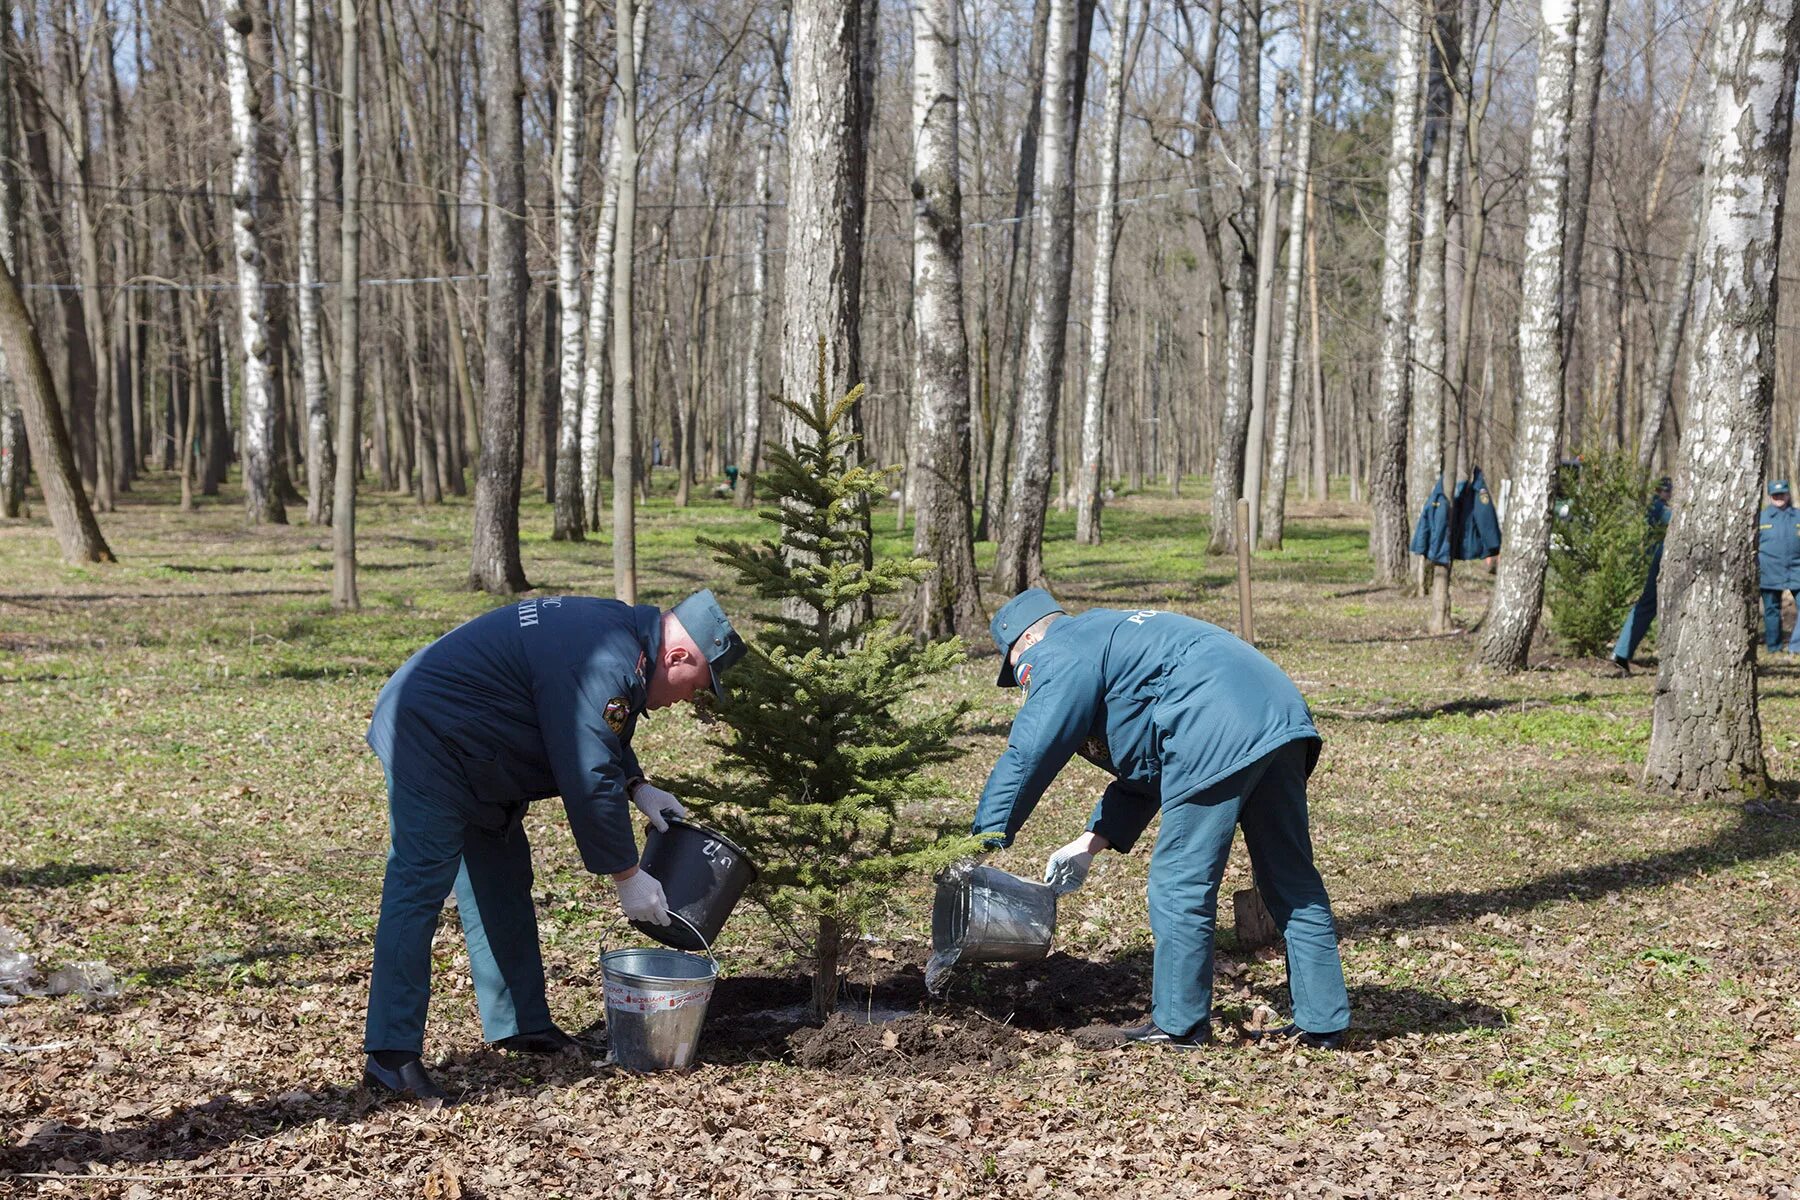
{"type": "Point", "coordinates": [702, 873]}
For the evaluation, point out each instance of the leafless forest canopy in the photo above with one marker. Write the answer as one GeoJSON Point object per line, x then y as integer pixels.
{"type": "Point", "coordinates": [120, 162]}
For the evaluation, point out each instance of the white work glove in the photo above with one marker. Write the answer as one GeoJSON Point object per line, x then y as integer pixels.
{"type": "Point", "coordinates": [641, 896]}
{"type": "Point", "coordinates": [1067, 869]}
{"type": "Point", "coordinates": [656, 804]}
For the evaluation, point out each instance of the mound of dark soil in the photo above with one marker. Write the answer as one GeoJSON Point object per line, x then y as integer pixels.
{"type": "Point", "coordinates": [922, 1044]}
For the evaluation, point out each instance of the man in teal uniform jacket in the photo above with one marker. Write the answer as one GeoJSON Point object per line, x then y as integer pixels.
{"type": "Point", "coordinates": [1778, 562]}
{"type": "Point", "coordinates": [535, 699]}
{"type": "Point", "coordinates": [1195, 724]}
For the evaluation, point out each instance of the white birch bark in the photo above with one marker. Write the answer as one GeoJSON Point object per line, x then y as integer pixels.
{"type": "Point", "coordinates": [1584, 111]}
{"type": "Point", "coordinates": [1519, 591]}
{"type": "Point", "coordinates": [1106, 233]}
{"type": "Point", "coordinates": [758, 321]}
{"type": "Point", "coordinates": [261, 501]}
{"type": "Point", "coordinates": [1706, 734]}
{"type": "Point", "coordinates": [1274, 501]}
{"type": "Point", "coordinates": [568, 524]}
{"type": "Point", "coordinates": [1387, 486]}
{"type": "Point", "coordinates": [1430, 337]}
{"type": "Point", "coordinates": [1659, 393]}
{"type": "Point", "coordinates": [1019, 562]}
{"type": "Point", "coordinates": [1268, 237]}
{"type": "Point", "coordinates": [948, 601]}
{"type": "Point", "coordinates": [624, 381]}
{"type": "Point", "coordinates": [319, 469]}
{"type": "Point", "coordinates": [599, 316]}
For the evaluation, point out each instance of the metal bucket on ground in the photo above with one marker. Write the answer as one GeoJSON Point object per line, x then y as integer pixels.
{"type": "Point", "coordinates": [703, 873]}
{"type": "Point", "coordinates": [655, 1005]}
{"type": "Point", "coordinates": [983, 914]}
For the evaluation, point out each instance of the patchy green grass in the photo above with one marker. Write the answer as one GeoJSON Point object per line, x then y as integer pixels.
{"type": "Point", "coordinates": [1563, 983]}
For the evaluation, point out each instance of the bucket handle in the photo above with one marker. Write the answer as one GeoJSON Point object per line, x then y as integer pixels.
{"type": "Point", "coordinates": [718, 971]}
{"type": "Point", "coordinates": [706, 946]}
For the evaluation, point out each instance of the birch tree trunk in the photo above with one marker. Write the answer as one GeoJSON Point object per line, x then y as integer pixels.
{"type": "Point", "coordinates": [1274, 500]}
{"type": "Point", "coordinates": [1106, 233]}
{"type": "Point", "coordinates": [1706, 733]}
{"type": "Point", "coordinates": [624, 380]}
{"type": "Point", "coordinates": [822, 274]}
{"type": "Point", "coordinates": [1660, 392]}
{"type": "Point", "coordinates": [1387, 485]}
{"type": "Point", "coordinates": [998, 464]}
{"type": "Point", "coordinates": [312, 343]}
{"type": "Point", "coordinates": [757, 321]}
{"type": "Point", "coordinates": [568, 522]}
{"type": "Point", "coordinates": [1519, 591]}
{"type": "Point", "coordinates": [600, 307]}
{"type": "Point", "coordinates": [1237, 272]}
{"type": "Point", "coordinates": [1429, 335]}
{"type": "Point", "coordinates": [349, 398]}
{"type": "Point", "coordinates": [1020, 561]}
{"type": "Point", "coordinates": [1268, 239]}
{"type": "Point", "coordinates": [262, 503]}
{"type": "Point", "coordinates": [1321, 469]}
{"type": "Point", "coordinates": [943, 531]}
{"type": "Point", "coordinates": [1584, 110]}
{"type": "Point", "coordinates": [494, 561]}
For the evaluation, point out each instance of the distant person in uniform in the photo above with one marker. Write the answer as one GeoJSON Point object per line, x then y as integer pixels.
{"type": "Point", "coordinates": [1637, 621]}
{"type": "Point", "coordinates": [535, 699]}
{"type": "Point", "coordinates": [1778, 563]}
{"type": "Point", "coordinates": [1195, 724]}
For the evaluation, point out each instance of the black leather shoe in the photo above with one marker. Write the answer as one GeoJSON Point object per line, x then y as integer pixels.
{"type": "Point", "coordinates": [538, 1041]}
{"type": "Point", "coordinates": [1152, 1034]}
{"type": "Point", "coordinates": [1292, 1032]}
{"type": "Point", "coordinates": [409, 1079]}
{"type": "Point", "coordinates": [1622, 666]}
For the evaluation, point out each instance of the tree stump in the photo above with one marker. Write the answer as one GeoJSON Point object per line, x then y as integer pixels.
{"type": "Point", "coordinates": [1255, 927]}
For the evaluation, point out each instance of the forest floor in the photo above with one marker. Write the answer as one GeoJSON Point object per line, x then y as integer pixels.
{"type": "Point", "coordinates": [1563, 985]}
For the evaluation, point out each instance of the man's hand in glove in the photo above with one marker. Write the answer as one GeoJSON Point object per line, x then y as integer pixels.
{"type": "Point", "coordinates": [641, 896]}
{"type": "Point", "coordinates": [656, 804]}
{"type": "Point", "coordinates": [1067, 869]}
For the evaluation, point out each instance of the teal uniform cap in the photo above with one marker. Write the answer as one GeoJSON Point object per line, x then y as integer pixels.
{"type": "Point", "coordinates": [1778, 488]}
{"type": "Point", "coordinates": [1014, 618]}
{"type": "Point", "coordinates": [711, 630]}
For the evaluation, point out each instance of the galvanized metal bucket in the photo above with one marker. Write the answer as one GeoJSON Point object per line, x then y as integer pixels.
{"type": "Point", "coordinates": [655, 1005]}
{"type": "Point", "coordinates": [984, 914]}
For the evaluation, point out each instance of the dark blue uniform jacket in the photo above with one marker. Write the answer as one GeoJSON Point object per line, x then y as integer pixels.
{"type": "Point", "coordinates": [1167, 704]}
{"type": "Point", "coordinates": [1778, 548]}
{"type": "Point", "coordinates": [1461, 529]}
{"type": "Point", "coordinates": [532, 700]}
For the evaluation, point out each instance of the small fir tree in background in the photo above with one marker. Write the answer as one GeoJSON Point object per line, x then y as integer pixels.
{"type": "Point", "coordinates": [823, 769]}
{"type": "Point", "coordinates": [1600, 548]}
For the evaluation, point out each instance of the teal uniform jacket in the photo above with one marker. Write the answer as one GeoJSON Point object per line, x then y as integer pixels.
{"type": "Point", "coordinates": [1778, 549]}
{"type": "Point", "coordinates": [1169, 705]}
{"type": "Point", "coordinates": [535, 699]}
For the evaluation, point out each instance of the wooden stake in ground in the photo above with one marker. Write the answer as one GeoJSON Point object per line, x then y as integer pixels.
{"type": "Point", "coordinates": [1246, 623]}
{"type": "Point", "coordinates": [76, 530]}
{"type": "Point", "coordinates": [1251, 919]}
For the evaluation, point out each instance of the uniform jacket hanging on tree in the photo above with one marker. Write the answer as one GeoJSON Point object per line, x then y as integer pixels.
{"type": "Point", "coordinates": [1464, 529]}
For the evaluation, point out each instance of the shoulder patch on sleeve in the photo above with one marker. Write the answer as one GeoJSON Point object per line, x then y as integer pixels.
{"type": "Point", "coordinates": [617, 713]}
{"type": "Point", "coordinates": [1024, 674]}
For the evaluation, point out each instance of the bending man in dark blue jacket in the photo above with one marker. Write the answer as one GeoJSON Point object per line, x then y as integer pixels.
{"type": "Point", "coordinates": [536, 699]}
{"type": "Point", "coordinates": [1194, 724]}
